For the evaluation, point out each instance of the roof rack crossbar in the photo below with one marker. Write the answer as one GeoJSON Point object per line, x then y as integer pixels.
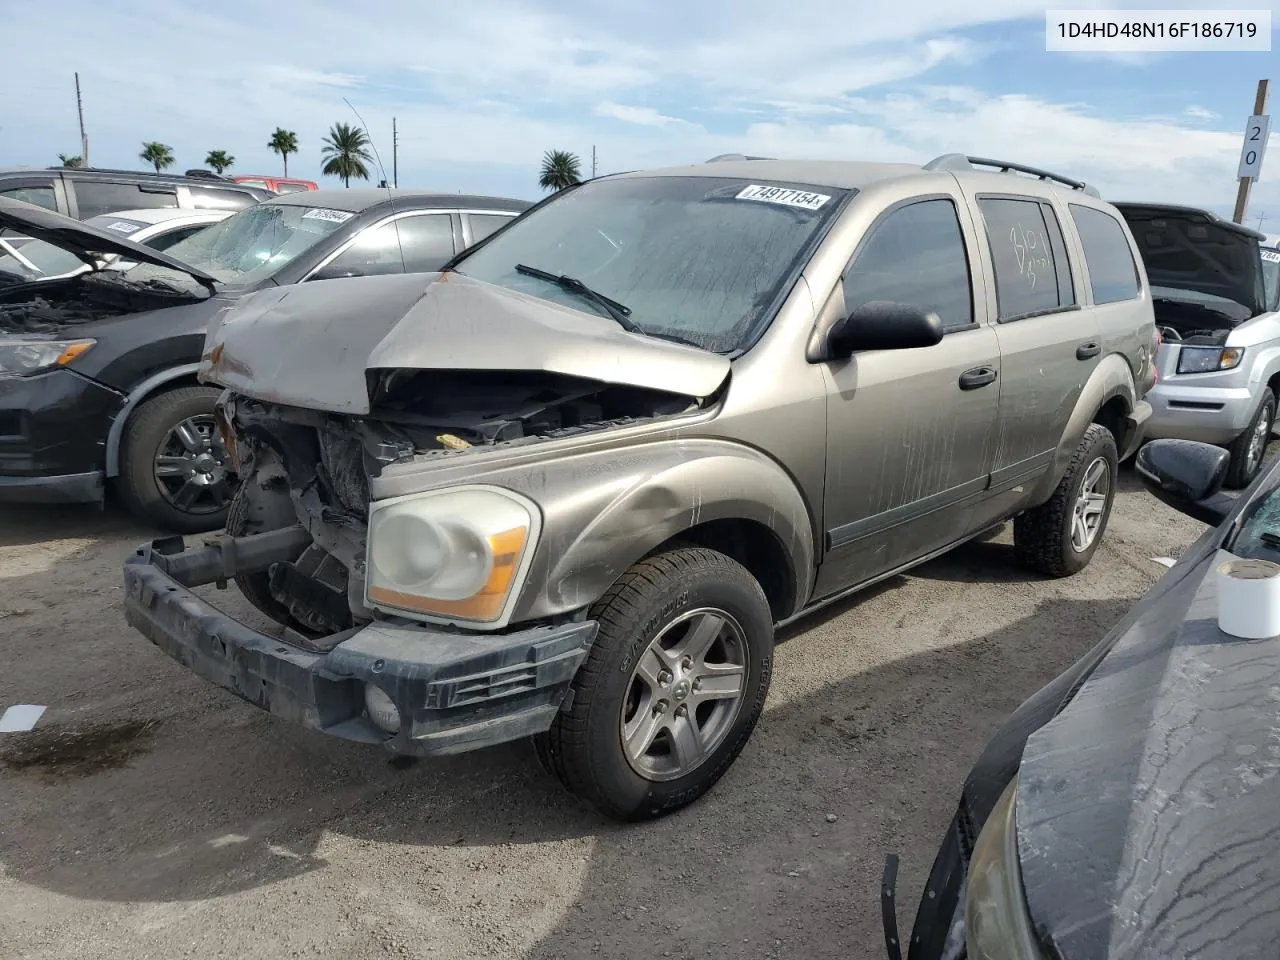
{"type": "Point", "coordinates": [959, 162]}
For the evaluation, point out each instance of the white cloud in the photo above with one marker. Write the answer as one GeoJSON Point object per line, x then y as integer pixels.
{"type": "Point", "coordinates": [1195, 112]}
{"type": "Point", "coordinates": [479, 95]}
{"type": "Point", "coordinates": [641, 116]}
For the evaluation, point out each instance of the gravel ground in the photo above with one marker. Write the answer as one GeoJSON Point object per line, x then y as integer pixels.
{"type": "Point", "coordinates": [152, 816]}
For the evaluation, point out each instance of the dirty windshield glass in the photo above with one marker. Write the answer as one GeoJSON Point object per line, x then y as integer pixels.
{"type": "Point", "coordinates": [1259, 533]}
{"type": "Point", "coordinates": [255, 243]}
{"type": "Point", "coordinates": [701, 259]}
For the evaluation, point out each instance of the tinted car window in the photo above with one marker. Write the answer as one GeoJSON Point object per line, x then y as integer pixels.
{"type": "Point", "coordinates": [483, 224]}
{"type": "Point", "coordinates": [96, 197]}
{"type": "Point", "coordinates": [700, 258]}
{"type": "Point", "coordinates": [1033, 275]}
{"type": "Point", "coordinates": [213, 198]}
{"type": "Point", "coordinates": [415, 244]}
{"type": "Point", "coordinates": [1113, 276]}
{"type": "Point", "coordinates": [164, 241]}
{"type": "Point", "coordinates": [915, 255]}
{"type": "Point", "coordinates": [41, 196]}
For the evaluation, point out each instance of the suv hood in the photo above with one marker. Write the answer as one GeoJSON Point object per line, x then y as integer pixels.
{"type": "Point", "coordinates": [322, 344]}
{"type": "Point", "coordinates": [86, 242]}
{"type": "Point", "coordinates": [1146, 810]}
{"type": "Point", "coordinates": [1185, 248]}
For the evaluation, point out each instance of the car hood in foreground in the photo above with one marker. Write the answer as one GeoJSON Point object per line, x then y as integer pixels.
{"type": "Point", "coordinates": [1149, 809]}
{"type": "Point", "coordinates": [1184, 248]}
{"type": "Point", "coordinates": [321, 344]}
{"type": "Point", "coordinates": [88, 243]}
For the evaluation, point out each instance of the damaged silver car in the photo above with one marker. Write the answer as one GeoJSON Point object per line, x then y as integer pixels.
{"type": "Point", "coordinates": [568, 487]}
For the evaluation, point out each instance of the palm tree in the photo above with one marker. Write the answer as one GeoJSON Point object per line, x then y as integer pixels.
{"type": "Point", "coordinates": [283, 142]}
{"type": "Point", "coordinates": [220, 160]}
{"type": "Point", "coordinates": [345, 151]}
{"type": "Point", "coordinates": [560, 169]}
{"type": "Point", "coordinates": [71, 162]}
{"type": "Point", "coordinates": [159, 155]}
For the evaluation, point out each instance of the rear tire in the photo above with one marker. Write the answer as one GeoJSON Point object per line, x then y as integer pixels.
{"type": "Point", "coordinates": [1249, 450]}
{"type": "Point", "coordinates": [1048, 539]}
{"type": "Point", "coordinates": [655, 720]}
{"type": "Point", "coordinates": [167, 443]}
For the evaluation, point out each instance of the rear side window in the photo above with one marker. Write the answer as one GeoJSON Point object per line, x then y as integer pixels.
{"type": "Point", "coordinates": [1033, 274]}
{"type": "Point", "coordinates": [39, 194]}
{"type": "Point", "coordinates": [96, 197]}
{"type": "Point", "coordinates": [1113, 275]}
{"type": "Point", "coordinates": [214, 198]}
{"type": "Point", "coordinates": [915, 255]}
{"type": "Point", "coordinates": [483, 224]}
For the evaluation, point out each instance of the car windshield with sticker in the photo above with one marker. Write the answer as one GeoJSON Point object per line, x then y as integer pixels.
{"type": "Point", "coordinates": [702, 259]}
{"type": "Point", "coordinates": [255, 243]}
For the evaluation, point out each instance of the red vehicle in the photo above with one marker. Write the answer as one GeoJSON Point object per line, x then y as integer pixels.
{"type": "Point", "coordinates": [277, 184]}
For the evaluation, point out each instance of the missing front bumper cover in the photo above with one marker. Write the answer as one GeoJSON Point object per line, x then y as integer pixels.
{"type": "Point", "coordinates": [455, 691]}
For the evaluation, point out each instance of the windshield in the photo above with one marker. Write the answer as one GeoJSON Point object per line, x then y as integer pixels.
{"type": "Point", "coordinates": [38, 260]}
{"type": "Point", "coordinates": [702, 259]}
{"type": "Point", "coordinates": [257, 242]}
{"type": "Point", "coordinates": [1271, 277]}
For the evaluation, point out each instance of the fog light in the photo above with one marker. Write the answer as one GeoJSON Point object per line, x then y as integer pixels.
{"type": "Point", "coordinates": [382, 709]}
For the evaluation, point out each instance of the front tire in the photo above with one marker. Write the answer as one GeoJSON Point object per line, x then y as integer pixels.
{"type": "Point", "coordinates": [1248, 451]}
{"type": "Point", "coordinates": [672, 688]}
{"type": "Point", "coordinates": [1059, 537]}
{"type": "Point", "coordinates": [174, 471]}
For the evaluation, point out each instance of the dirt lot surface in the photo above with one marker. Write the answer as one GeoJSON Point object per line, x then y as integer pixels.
{"type": "Point", "coordinates": [149, 815]}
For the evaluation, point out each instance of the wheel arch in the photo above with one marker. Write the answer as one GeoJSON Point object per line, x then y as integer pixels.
{"type": "Point", "coordinates": [1107, 398]}
{"type": "Point", "coordinates": [179, 376]}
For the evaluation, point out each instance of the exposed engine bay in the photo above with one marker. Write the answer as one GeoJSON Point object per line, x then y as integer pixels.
{"type": "Point", "coordinates": [1190, 322]}
{"type": "Point", "coordinates": [54, 305]}
{"type": "Point", "coordinates": [313, 468]}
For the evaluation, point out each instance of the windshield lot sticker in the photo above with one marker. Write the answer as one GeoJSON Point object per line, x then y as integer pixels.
{"type": "Point", "coordinates": [791, 198]}
{"type": "Point", "coordinates": [123, 226]}
{"type": "Point", "coordinates": [1271, 256]}
{"type": "Point", "coordinates": [333, 216]}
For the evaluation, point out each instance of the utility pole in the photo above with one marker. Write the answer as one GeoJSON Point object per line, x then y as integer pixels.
{"type": "Point", "coordinates": [84, 138]}
{"type": "Point", "coordinates": [1256, 132]}
{"type": "Point", "coordinates": [593, 161]}
{"type": "Point", "coordinates": [395, 150]}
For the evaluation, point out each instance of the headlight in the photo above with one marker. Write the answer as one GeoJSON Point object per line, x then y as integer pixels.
{"type": "Point", "coordinates": [996, 925]}
{"type": "Point", "coordinates": [23, 357]}
{"type": "Point", "coordinates": [1209, 359]}
{"type": "Point", "coordinates": [457, 554]}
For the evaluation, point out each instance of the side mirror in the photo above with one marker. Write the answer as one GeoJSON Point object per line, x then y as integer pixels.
{"type": "Point", "coordinates": [884, 325]}
{"type": "Point", "coordinates": [1188, 476]}
{"type": "Point", "coordinates": [335, 272]}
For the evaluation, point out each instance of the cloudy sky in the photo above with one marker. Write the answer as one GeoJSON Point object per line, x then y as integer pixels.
{"type": "Point", "coordinates": [481, 89]}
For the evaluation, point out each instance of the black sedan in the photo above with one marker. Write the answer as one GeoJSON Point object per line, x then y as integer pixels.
{"type": "Point", "coordinates": [98, 371]}
{"type": "Point", "coordinates": [1131, 808]}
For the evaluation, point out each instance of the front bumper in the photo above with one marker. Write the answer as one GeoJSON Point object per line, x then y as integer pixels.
{"type": "Point", "coordinates": [53, 432]}
{"type": "Point", "coordinates": [1184, 409]}
{"type": "Point", "coordinates": [455, 691]}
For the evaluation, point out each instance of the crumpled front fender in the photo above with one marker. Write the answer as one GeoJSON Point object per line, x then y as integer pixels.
{"type": "Point", "coordinates": [605, 509]}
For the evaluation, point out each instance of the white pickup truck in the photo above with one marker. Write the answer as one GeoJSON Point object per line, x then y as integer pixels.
{"type": "Point", "coordinates": [1214, 286]}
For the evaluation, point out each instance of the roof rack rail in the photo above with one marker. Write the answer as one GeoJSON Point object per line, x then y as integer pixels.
{"type": "Point", "coordinates": [955, 162]}
{"type": "Point", "coordinates": [719, 158]}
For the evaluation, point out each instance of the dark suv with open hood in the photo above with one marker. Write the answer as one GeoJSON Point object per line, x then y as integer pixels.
{"type": "Point", "coordinates": [97, 372]}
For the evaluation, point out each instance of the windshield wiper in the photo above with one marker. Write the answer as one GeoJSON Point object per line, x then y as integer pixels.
{"type": "Point", "coordinates": [619, 312]}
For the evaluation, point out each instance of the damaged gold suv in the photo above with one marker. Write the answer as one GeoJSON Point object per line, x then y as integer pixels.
{"type": "Point", "coordinates": [568, 487]}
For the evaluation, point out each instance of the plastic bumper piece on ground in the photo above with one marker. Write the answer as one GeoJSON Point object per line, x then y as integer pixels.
{"type": "Point", "coordinates": [455, 691]}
